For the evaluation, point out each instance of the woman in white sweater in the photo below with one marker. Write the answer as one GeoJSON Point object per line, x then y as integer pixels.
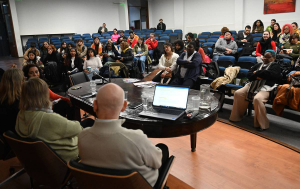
{"type": "Point", "coordinates": [167, 64]}
{"type": "Point", "coordinates": [92, 63]}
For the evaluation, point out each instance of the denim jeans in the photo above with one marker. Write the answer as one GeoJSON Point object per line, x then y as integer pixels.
{"type": "Point", "coordinates": [215, 57]}
{"type": "Point", "coordinates": [142, 60]}
{"type": "Point", "coordinates": [90, 75]}
{"type": "Point", "coordinates": [151, 54]}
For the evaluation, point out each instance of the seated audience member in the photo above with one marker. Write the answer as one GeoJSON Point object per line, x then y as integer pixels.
{"type": "Point", "coordinates": [63, 107]}
{"type": "Point", "coordinates": [102, 29]}
{"type": "Point", "coordinates": [92, 64]}
{"type": "Point", "coordinates": [270, 28]}
{"type": "Point", "coordinates": [126, 55]}
{"type": "Point", "coordinates": [32, 49]}
{"type": "Point", "coordinates": [136, 36]}
{"type": "Point", "coordinates": [10, 92]}
{"type": "Point", "coordinates": [264, 44]}
{"type": "Point", "coordinates": [179, 47]}
{"type": "Point", "coordinates": [140, 52]}
{"type": "Point", "coordinates": [70, 46]}
{"type": "Point", "coordinates": [72, 62]}
{"type": "Point", "coordinates": [124, 148]}
{"type": "Point", "coordinates": [189, 64]}
{"type": "Point", "coordinates": [190, 40]}
{"type": "Point", "coordinates": [223, 30]}
{"type": "Point", "coordinates": [151, 43]}
{"type": "Point", "coordinates": [244, 37]}
{"type": "Point", "coordinates": [167, 63]}
{"type": "Point", "coordinates": [263, 77]}
{"type": "Point", "coordinates": [131, 39]}
{"type": "Point", "coordinates": [110, 41]}
{"type": "Point", "coordinates": [97, 46]}
{"type": "Point", "coordinates": [115, 36]}
{"type": "Point", "coordinates": [295, 27]}
{"type": "Point", "coordinates": [63, 48]}
{"type": "Point", "coordinates": [225, 46]}
{"type": "Point", "coordinates": [37, 120]}
{"type": "Point", "coordinates": [33, 60]}
{"type": "Point", "coordinates": [109, 51]}
{"type": "Point", "coordinates": [275, 33]}
{"type": "Point", "coordinates": [258, 27]}
{"type": "Point", "coordinates": [44, 50]}
{"type": "Point", "coordinates": [81, 49]}
{"type": "Point", "coordinates": [51, 55]}
{"type": "Point", "coordinates": [121, 38]}
{"type": "Point", "coordinates": [161, 25]}
{"type": "Point", "coordinates": [286, 32]}
{"type": "Point", "coordinates": [293, 47]}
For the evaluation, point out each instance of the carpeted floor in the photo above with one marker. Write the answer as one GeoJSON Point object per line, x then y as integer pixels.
{"type": "Point", "coordinates": [285, 129]}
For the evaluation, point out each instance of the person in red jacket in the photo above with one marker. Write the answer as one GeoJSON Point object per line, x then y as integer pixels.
{"type": "Point", "coordinates": [131, 39]}
{"type": "Point", "coordinates": [264, 44]}
{"type": "Point", "coordinates": [151, 42]}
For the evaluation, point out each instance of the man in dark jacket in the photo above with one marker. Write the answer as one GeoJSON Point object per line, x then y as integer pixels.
{"type": "Point", "coordinates": [121, 38]}
{"type": "Point", "coordinates": [189, 64]}
{"type": "Point", "coordinates": [102, 29]}
{"type": "Point", "coordinates": [245, 37]}
{"type": "Point", "coordinates": [161, 25]}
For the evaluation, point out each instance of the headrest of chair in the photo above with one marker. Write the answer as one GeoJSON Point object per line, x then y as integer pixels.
{"type": "Point", "coordinates": [227, 58]}
{"type": "Point", "coordinates": [247, 59]}
{"type": "Point", "coordinates": [79, 77]}
{"type": "Point", "coordinates": [105, 171]}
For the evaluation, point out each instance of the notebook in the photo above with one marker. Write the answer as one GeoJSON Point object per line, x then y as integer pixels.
{"type": "Point", "coordinates": [169, 102]}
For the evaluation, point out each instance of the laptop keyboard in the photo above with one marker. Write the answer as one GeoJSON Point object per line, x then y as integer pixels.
{"type": "Point", "coordinates": [168, 111]}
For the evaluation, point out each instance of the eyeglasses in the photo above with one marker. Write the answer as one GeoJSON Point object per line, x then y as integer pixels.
{"type": "Point", "coordinates": [286, 29]}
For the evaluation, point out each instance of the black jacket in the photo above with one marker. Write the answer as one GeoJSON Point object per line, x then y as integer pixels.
{"type": "Point", "coordinates": [8, 116]}
{"type": "Point", "coordinates": [99, 30]}
{"type": "Point", "coordinates": [180, 51]}
{"type": "Point", "coordinates": [51, 58]}
{"type": "Point", "coordinates": [127, 57]}
{"type": "Point", "coordinates": [161, 26]}
{"type": "Point", "coordinates": [272, 75]}
{"type": "Point", "coordinates": [124, 38]}
{"type": "Point", "coordinates": [77, 64]}
{"type": "Point", "coordinates": [193, 68]}
{"type": "Point", "coordinates": [240, 36]}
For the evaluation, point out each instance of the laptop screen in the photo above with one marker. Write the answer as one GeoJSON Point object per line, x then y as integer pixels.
{"type": "Point", "coordinates": [171, 96]}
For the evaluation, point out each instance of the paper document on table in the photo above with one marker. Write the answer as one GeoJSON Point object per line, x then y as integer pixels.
{"type": "Point", "coordinates": [146, 84]}
{"type": "Point", "coordinates": [130, 80]}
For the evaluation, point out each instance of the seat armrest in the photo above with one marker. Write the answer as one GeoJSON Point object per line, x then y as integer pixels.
{"type": "Point", "coordinates": [164, 173]}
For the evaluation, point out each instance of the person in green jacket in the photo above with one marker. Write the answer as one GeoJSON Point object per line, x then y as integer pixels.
{"type": "Point", "coordinates": [140, 52]}
{"type": "Point", "coordinates": [37, 120]}
{"type": "Point", "coordinates": [292, 47]}
{"type": "Point", "coordinates": [269, 28]}
{"type": "Point", "coordinates": [258, 27]}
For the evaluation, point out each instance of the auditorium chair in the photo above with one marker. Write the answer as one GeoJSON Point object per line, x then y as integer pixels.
{"type": "Point", "coordinates": [206, 33]}
{"type": "Point", "coordinates": [215, 36]}
{"type": "Point", "coordinates": [179, 32]}
{"type": "Point", "coordinates": [226, 61]}
{"type": "Point", "coordinates": [246, 62]}
{"type": "Point", "coordinates": [173, 37]}
{"type": "Point", "coordinates": [90, 177]}
{"type": "Point", "coordinates": [6, 153]}
{"type": "Point", "coordinates": [212, 40]}
{"type": "Point", "coordinates": [165, 38]}
{"type": "Point", "coordinates": [217, 33]}
{"type": "Point", "coordinates": [41, 163]}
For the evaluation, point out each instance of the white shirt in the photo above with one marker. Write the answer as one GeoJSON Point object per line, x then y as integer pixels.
{"type": "Point", "coordinates": [72, 63]}
{"type": "Point", "coordinates": [109, 145]}
{"type": "Point", "coordinates": [93, 62]}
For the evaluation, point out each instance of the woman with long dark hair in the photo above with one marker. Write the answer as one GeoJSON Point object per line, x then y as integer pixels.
{"type": "Point", "coordinates": [275, 32]}
{"type": "Point", "coordinates": [92, 64]}
{"type": "Point", "coordinates": [72, 62]}
{"type": "Point", "coordinates": [140, 52]}
{"type": "Point", "coordinates": [109, 52]}
{"type": "Point", "coordinates": [258, 27]}
{"type": "Point", "coordinates": [32, 59]}
{"type": "Point", "coordinates": [264, 44]}
{"type": "Point", "coordinates": [167, 63]}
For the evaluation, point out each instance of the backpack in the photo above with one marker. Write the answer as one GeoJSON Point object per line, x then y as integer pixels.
{"type": "Point", "coordinates": [212, 70]}
{"type": "Point", "coordinates": [135, 73]}
{"type": "Point", "coordinates": [51, 72]}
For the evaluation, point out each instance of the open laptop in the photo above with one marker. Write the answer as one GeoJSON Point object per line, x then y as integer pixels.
{"type": "Point", "coordinates": [169, 102]}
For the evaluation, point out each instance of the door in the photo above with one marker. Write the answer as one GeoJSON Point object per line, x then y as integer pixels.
{"type": "Point", "coordinates": [9, 42]}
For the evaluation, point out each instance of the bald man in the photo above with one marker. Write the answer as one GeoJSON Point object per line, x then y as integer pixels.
{"type": "Point", "coordinates": [109, 145]}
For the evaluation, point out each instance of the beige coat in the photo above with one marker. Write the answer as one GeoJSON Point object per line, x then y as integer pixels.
{"type": "Point", "coordinates": [229, 74]}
